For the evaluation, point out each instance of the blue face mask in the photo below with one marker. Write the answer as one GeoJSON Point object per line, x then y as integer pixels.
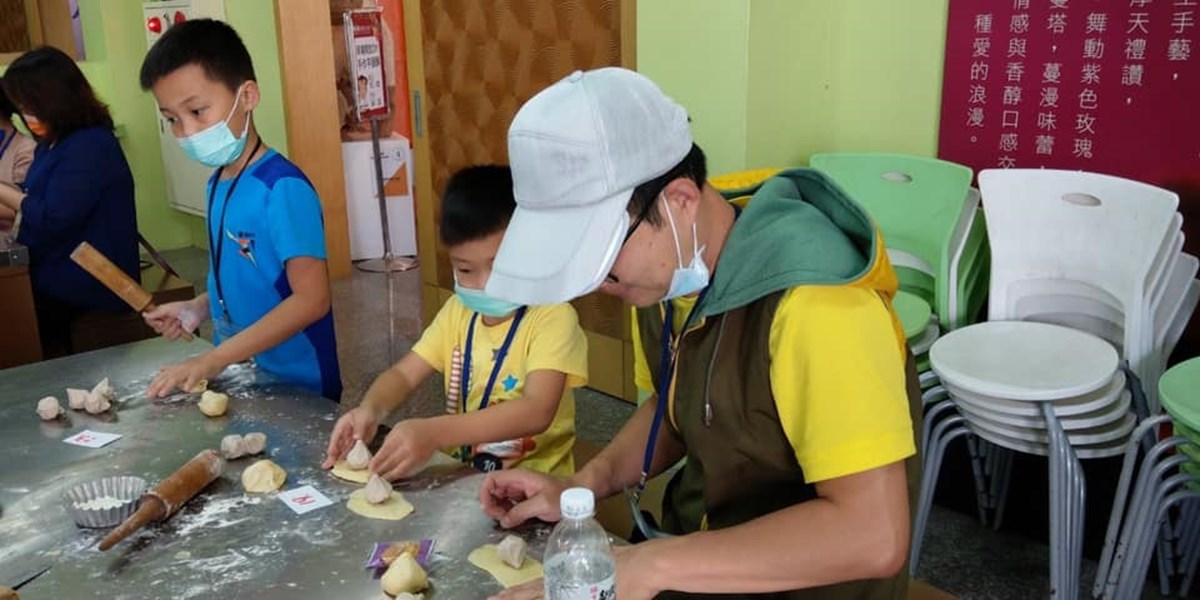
{"type": "Point", "coordinates": [692, 278]}
{"type": "Point", "coordinates": [478, 301]}
{"type": "Point", "coordinates": [216, 146]}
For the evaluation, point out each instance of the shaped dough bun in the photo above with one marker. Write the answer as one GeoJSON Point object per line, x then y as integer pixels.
{"type": "Point", "coordinates": [48, 408]}
{"type": "Point", "coordinates": [512, 551]}
{"type": "Point", "coordinates": [233, 446]}
{"type": "Point", "coordinates": [358, 457]}
{"type": "Point", "coordinates": [263, 476]}
{"type": "Point", "coordinates": [213, 404]}
{"type": "Point", "coordinates": [404, 576]}
{"type": "Point", "coordinates": [254, 442]}
{"type": "Point", "coordinates": [76, 398]}
{"type": "Point", "coordinates": [378, 489]}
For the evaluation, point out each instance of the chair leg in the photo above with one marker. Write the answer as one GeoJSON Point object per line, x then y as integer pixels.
{"type": "Point", "coordinates": [1150, 477]}
{"type": "Point", "coordinates": [1121, 498]}
{"type": "Point", "coordinates": [935, 405]}
{"type": "Point", "coordinates": [1066, 489]}
{"type": "Point", "coordinates": [946, 431]}
{"type": "Point", "coordinates": [974, 446]}
{"type": "Point", "coordinates": [1166, 555]}
{"type": "Point", "coordinates": [1191, 552]}
{"type": "Point", "coordinates": [1000, 495]}
{"type": "Point", "coordinates": [1152, 486]}
{"type": "Point", "coordinates": [1133, 576]}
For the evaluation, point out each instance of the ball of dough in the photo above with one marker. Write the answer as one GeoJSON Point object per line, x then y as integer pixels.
{"type": "Point", "coordinates": [48, 408]}
{"type": "Point", "coordinates": [263, 476]}
{"type": "Point", "coordinates": [404, 576]}
{"type": "Point", "coordinates": [76, 398]}
{"type": "Point", "coordinates": [213, 404]}
{"type": "Point", "coordinates": [97, 402]}
{"type": "Point", "coordinates": [254, 442]}
{"type": "Point", "coordinates": [408, 596]}
{"type": "Point", "coordinates": [512, 551]}
{"type": "Point", "coordinates": [358, 457]}
{"type": "Point", "coordinates": [233, 446]}
{"type": "Point", "coordinates": [378, 489]}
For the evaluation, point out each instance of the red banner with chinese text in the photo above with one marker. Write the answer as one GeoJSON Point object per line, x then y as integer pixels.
{"type": "Point", "coordinates": [1108, 86]}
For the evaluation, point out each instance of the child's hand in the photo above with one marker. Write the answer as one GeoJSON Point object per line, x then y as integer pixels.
{"type": "Point", "coordinates": [407, 447]}
{"type": "Point", "coordinates": [358, 424]}
{"type": "Point", "coordinates": [184, 376]}
{"type": "Point", "coordinates": [171, 320]}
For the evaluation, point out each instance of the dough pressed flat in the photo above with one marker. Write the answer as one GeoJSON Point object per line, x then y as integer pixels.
{"type": "Point", "coordinates": [487, 558]}
{"type": "Point", "coordinates": [342, 470]}
{"type": "Point", "coordinates": [392, 509]}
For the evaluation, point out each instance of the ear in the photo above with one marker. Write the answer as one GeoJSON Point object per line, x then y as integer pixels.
{"type": "Point", "coordinates": [251, 96]}
{"type": "Point", "coordinates": [684, 196]}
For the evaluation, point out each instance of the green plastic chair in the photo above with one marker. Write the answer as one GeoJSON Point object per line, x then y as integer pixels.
{"type": "Point", "coordinates": [1179, 393]}
{"type": "Point", "coordinates": [914, 313]}
{"type": "Point", "coordinates": [917, 202]}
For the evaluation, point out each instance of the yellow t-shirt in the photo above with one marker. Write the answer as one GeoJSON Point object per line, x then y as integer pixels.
{"type": "Point", "coordinates": [837, 374]}
{"type": "Point", "coordinates": [549, 338]}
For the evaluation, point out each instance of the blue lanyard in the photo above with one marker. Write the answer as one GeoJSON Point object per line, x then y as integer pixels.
{"type": "Point", "coordinates": [666, 372]}
{"type": "Point", "coordinates": [500, 354]}
{"type": "Point", "coordinates": [217, 245]}
{"type": "Point", "coordinates": [465, 394]}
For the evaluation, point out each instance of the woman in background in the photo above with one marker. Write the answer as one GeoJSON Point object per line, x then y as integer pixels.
{"type": "Point", "coordinates": [16, 153]}
{"type": "Point", "coordinates": [79, 188]}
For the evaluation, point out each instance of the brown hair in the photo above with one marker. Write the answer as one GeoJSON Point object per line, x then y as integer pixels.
{"type": "Point", "coordinates": [47, 84]}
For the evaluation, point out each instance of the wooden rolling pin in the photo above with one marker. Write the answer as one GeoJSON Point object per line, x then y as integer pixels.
{"type": "Point", "coordinates": [116, 280]}
{"type": "Point", "coordinates": [168, 496]}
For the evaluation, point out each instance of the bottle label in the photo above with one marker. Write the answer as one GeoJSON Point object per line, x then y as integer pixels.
{"type": "Point", "coordinates": [602, 590]}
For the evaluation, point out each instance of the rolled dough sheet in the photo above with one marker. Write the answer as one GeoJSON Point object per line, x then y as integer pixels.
{"type": "Point", "coordinates": [486, 558]}
{"type": "Point", "coordinates": [392, 509]}
{"type": "Point", "coordinates": [341, 470]}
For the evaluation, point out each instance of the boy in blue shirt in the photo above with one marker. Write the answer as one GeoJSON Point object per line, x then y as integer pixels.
{"type": "Point", "coordinates": [268, 287]}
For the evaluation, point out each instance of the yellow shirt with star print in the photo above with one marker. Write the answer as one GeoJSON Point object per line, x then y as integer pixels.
{"type": "Point", "coordinates": [548, 338]}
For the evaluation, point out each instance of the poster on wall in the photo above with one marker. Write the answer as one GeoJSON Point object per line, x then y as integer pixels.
{"type": "Point", "coordinates": [364, 44]}
{"type": "Point", "coordinates": [1109, 87]}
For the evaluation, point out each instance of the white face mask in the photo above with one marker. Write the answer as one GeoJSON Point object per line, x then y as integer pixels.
{"type": "Point", "coordinates": [692, 278]}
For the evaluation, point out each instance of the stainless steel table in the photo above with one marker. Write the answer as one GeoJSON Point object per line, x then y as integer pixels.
{"type": "Point", "coordinates": [224, 543]}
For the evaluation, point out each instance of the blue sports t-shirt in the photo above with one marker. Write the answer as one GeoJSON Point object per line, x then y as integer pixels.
{"type": "Point", "coordinates": [273, 215]}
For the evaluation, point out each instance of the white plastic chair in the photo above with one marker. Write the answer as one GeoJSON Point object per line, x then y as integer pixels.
{"type": "Point", "coordinates": [1041, 364]}
{"type": "Point", "coordinates": [1098, 230]}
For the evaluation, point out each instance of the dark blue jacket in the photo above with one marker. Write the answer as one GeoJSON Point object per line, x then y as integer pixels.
{"type": "Point", "coordinates": [79, 190]}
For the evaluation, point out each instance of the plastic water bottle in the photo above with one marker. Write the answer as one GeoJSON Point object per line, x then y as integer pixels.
{"type": "Point", "coordinates": [579, 563]}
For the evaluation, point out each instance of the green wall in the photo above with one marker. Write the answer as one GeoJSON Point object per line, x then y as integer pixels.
{"type": "Point", "coordinates": [115, 46]}
{"type": "Point", "coordinates": [698, 52]}
{"type": "Point", "coordinates": [770, 82]}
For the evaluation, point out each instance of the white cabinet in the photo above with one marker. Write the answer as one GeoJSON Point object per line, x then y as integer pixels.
{"type": "Point", "coordinates": [362, 199]}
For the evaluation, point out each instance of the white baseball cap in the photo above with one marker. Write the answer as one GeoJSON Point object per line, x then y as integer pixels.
{"type": "Point", "coordinates": [577, 150]}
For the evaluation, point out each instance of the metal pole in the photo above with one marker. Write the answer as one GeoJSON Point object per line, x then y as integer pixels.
{"type": "Point", "coordinates": [388, 263]}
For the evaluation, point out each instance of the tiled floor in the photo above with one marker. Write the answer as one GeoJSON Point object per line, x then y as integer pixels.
{"type": "Point", "coordinates": [959, 555]}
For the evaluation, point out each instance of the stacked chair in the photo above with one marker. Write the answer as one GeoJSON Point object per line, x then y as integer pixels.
{"type": "Point", "coordinates": [928, 214]}
{"type": "Point", "coordinates": [1086, 276]}
{"type": "Point", "coordinates": [1166, 484]}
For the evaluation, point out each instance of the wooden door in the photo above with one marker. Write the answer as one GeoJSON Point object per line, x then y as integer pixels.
{"type": "Point", "coordinates": [472, 64]}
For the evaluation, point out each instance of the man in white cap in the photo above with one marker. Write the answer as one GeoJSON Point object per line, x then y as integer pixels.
{"type": "Point", "coordinates": [781, 368]}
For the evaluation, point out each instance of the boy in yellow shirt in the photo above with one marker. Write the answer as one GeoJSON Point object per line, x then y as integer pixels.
{"type": "Point", "coordinates": [510, 370]}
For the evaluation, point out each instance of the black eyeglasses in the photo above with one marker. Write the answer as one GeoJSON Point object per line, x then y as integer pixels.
{"type": "Point", "coordinates": [629, 233]}
{"type": "Point", "coordinates": [637, 222]}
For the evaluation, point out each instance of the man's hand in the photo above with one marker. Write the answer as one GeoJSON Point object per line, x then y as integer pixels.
{"type": "Point", "coordinates": [515, 496]}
